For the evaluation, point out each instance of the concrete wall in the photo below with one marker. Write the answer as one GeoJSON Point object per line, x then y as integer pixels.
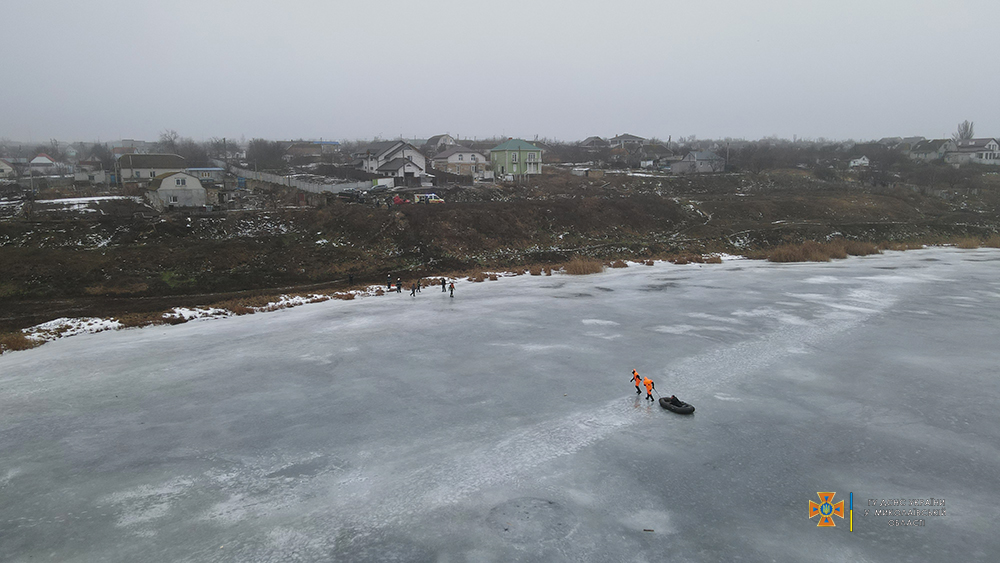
{"type": "Point", "coordinates": [309, 186]}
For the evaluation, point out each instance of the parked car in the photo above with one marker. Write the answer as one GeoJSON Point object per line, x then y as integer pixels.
{"type": "Point", "coordinates": [428, 198]}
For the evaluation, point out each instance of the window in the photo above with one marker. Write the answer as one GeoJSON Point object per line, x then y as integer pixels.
{"type": "Point", "coordinates": [531, 156]}
{"type": "Point", "coordinates": [460, 158]}
{"type": "Point", "coordinates": [180, 181]}
{"type": "Point", "coordinates": [513, 157]}
{"type": "Point", "coordinates": [173, 199]}
{"type": "Point", "coordinates": [473, 157]}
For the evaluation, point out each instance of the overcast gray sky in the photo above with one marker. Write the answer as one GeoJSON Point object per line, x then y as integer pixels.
{"type": "Point", "coordinates": [108, 69]}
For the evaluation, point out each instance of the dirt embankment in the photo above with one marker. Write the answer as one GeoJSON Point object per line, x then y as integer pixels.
{"type": "Point", "coordinates": [74, 267]}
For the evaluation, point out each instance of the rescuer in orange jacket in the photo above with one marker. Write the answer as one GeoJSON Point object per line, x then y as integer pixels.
{"type": "Point", "coordinates": [637, 380]}
{"type": "Point", "coordinates": [649, 387]}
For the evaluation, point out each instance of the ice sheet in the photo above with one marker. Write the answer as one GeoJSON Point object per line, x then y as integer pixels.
{"type": "Point", "coordinates": [502, 424]}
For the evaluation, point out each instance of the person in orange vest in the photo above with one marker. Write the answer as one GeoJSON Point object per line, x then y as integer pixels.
{"type": "Point", "coordinates": [637, 380]}
{"type": "Point", "coordinates": [649, 387]}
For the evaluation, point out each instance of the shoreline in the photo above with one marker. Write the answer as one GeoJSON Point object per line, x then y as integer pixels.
{"type": "Point", "coordinates": [64, 327]}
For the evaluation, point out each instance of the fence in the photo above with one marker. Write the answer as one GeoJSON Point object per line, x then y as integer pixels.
{"type": "Point", "coordinates": [332, 186]}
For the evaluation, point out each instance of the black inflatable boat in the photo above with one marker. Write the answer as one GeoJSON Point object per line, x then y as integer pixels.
{"type": "Point", "coordinates": [682, 408]}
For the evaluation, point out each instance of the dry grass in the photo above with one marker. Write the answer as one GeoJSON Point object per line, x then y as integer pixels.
{"type": "Point", "coordinates": [493, 277]}
{"type": "Point", "coordinates": [11, 341]}
{"type": "Point", "coordinates": [583, 266]}
{"type": "Point", "coordinates": [967, 243]}
{"type": "Point", "coordinates": [477, 277]}
{"type": "Point", "coordinates": [860, 248]}
{"type": "Point", "coordinates": [713, 260]}
{"type": "Point", "coordinates": [992, 242]}
{"type": "Point", "coordinates": [619, 264]}
{"type": "Point", "coordinates": [812, 251]}
{"type": "Point", "coordinates": [896, 245]}
{"type": "Point", "coordinates": [535, 270]}
{"type": "Point", "coordinates": [808, 251]}
{"type": "Point", "coordinates": [131, 320]}
{"type": "Point", "coordinates": [650, 262]}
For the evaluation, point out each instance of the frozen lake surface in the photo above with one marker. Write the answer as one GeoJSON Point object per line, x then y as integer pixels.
{"type": "Point", "coordinates": [501, 425]}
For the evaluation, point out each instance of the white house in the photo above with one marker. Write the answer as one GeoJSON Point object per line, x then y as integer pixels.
{"type": "Point", "coordinates": [461, 160]}
{"type": "Point", "coordinates": [698, 162]}
{"type": "Point", "coordinates": [92, 176]}
{"type": "Point", "coordinates": [6, 169]}
{"type": "Point", "coordinates": [859, 162]}
{"type": "Point", "coordinates": [978, 151]}
{"type": "Point", "coordinates": [43, 164]}
{"type": "Point", "coordinates": [391, 158]}
{"type": "Point", "coordinates": [140, 169]}
{"type": "Point", "coordinates": [208, 175]}
{"type": "Point", "coordinates": [176, 189]}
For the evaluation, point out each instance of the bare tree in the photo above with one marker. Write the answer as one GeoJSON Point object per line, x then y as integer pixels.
{"type": "Point", "coordinates": [168, 141]}
{"type": "Point", "coordinates": [965, 131]}
{"type": "Point", "coordinates": [755, 158]}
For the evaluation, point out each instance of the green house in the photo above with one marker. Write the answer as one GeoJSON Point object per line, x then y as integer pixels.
{"type": "Point", "coordinates": [517, 158]}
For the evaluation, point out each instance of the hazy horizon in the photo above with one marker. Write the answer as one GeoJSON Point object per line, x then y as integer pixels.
{"type": "Point", "coordinates": [109, 70]}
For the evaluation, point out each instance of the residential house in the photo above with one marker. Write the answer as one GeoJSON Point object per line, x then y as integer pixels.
{"type": "Point", "coordinates": [977, 151]}
{"type": "Point", "coordinates": [311, 149]}
{"type": "Point", "coordinates": [129, 146]}
{"type": "Point", "coordinates": [932, 149]}
{"type": "Point", "coordinates": [7, 169]}
{"type": "Point", "coordinates": [655, 156]}
{"type": "Point", "coordinates": [626, 141]}
{"type": "Point", "coordinates": [907, 144]}
{"type": "Point", "coordinates": [439, 142]}
{"type": "Point", "coordinates": [698, 162]}
{"type": "Point", "coordinates": [593, 144]}
{"type": "Point", "coordinates": [138, 170]}
{"type": "Point", "coordinates": [176, 189]}
{"type": "Point", "coordinates": [44, 164]}
{"type": "Point", "coordinates": [214, 176]}
{"type": "Point", "coordinates": [92, 172]}
{"type": "Point", "coordinates": [304, 149]}
{"type": "Point", "coordinates": [861, 162]}
{"type": "Point", "coordinates": [462, 161]}
{"type": "Point", "coordinates": [391, 158]}
{"type": "Point", "coordinates": [516, 157]}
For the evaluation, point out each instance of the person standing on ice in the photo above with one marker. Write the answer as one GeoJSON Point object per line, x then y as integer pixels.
{"type": "Point", "coordinates": [413, 290]}
{"type": "Point", "coordinates": [649, 387]}
{"type": "Point", "coordinates": [442, 285]}
{"type": "Point", "coordinates": [451, 288]}
{"type": "Point", "coordinates": [638, 381]}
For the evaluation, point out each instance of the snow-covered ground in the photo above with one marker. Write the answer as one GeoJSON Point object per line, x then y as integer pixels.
{"type": "Point", "coordinates": [501, 424]}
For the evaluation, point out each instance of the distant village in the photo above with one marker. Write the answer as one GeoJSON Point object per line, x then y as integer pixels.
{"type": "Point", "coordinates": [218, 175]}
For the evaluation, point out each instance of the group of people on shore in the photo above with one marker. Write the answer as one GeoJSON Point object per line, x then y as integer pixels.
{"type": "Point", "coordinates": [416, 286]}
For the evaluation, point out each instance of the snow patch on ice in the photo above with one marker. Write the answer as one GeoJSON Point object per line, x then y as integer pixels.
{"type": "Point", "coordinates": [65, 326]}
{"type": "Point", "coordinates": [189, 314]}
{"type": "Point", "coordinates": [599, 322]}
